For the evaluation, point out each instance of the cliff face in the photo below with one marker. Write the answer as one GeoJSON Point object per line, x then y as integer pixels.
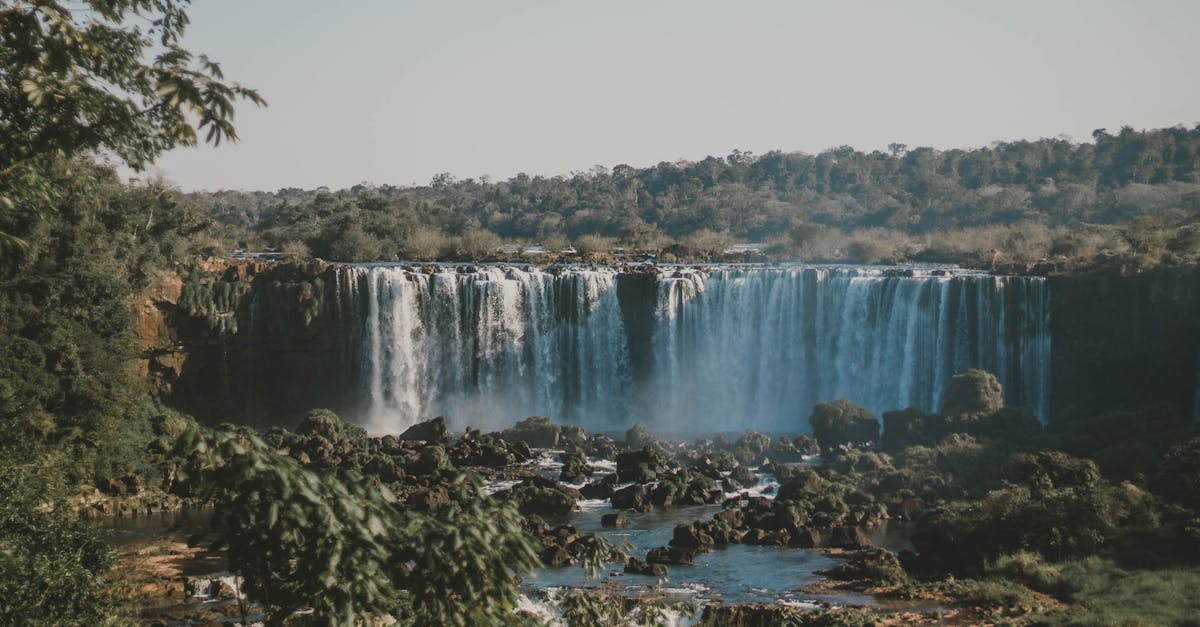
{"type": "Point", "coordinates": [262, 343]}
{"type": "Point", "coordinates": [245, 341]}
{"type": "Point", "coordinates": [1125, 342]}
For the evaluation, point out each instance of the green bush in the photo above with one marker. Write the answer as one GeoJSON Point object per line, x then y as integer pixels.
{"type": "Point", "coordinates": [51, 560]}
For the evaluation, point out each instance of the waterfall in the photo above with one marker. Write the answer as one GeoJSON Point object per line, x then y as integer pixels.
{"type": "Point", "coordinates": [490, 344]}
{"type": "Point", "coordinates": [730, 347]}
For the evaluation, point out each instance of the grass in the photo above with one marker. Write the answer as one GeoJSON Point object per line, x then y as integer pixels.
{"type": "Point", "coordinates": [1103, 593]}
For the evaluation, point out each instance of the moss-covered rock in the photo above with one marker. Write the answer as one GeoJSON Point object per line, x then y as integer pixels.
{"type": "Point", "coordinates": [843, 422]}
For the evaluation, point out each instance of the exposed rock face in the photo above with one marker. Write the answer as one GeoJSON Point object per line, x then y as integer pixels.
{"type": "Point", "coordinates": [1124, 342]}
{"type": "Point", "coordinates": [974, 392]}
{"type": "Point", "coordinates": [843, 422]}
{"type": "Point", "coordinates": [251, 341]}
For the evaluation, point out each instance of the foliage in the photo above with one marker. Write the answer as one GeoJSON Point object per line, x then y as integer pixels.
{"type": "Point", "coordinates": [76, 80]}
{"type": "Point", "coordinates": [875, 565]}
{"type": "Point", "coordinates": [51, 560]}
{"type": "Point", "coordinates": [1102, 593]}
{"type": "Point", "coordinates": [339, 544]}
{"type": "Point", "coordinates": [1057, 513]}
{"type": "Point", "coordinates": [1029, 569]}
{"type": "Point", "coordinates": [1011, 202]}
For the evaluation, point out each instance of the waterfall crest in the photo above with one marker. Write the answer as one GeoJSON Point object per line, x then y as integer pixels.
{"type": "Point", "coordinates": [729, 348]}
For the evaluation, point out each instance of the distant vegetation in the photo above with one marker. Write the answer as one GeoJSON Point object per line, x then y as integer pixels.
{"type": "Point", "coordinates": [1133, 195]}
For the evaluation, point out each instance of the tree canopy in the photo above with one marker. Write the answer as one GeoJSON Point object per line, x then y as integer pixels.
{"type": "Point", "coordinates": [99, 77]}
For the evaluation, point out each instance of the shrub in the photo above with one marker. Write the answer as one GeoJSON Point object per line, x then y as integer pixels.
{"type": "Point", "coordinates": [51, 560]}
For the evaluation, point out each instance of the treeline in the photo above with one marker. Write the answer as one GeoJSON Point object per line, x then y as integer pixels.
{"type": "Point", "coordinates": [1019, 201]}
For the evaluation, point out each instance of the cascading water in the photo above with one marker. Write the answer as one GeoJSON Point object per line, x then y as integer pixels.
{"type": "Point", "coordinates": [729, 348]}
{"type": "Point", "coordinates": [486, 345]}
{"type": "Point", "coordinates": [761, 347]}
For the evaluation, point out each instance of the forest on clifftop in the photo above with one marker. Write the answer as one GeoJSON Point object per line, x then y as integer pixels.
{"type": "Point", "coordinates": [1133, 194]}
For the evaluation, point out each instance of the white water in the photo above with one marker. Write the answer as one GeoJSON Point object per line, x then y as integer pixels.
{"type": "Point", "coordinates": [731, 348]}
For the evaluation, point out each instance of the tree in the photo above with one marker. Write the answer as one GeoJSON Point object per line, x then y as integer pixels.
{"type": "Point", "coordinates": [101, 76]}
{"type": "Point", "coordinates": [344, 546]}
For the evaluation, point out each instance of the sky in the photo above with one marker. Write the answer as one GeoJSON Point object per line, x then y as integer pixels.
{"type": "Point", "coordinates": [394, 92]}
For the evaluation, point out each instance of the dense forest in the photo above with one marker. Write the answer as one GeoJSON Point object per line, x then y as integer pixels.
{"type": "Point", "coordinates": [1130, 192]}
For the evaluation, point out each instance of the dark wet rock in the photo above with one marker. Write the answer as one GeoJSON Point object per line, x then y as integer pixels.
{"type": "Point", "coordinates": [876, 566]}
{"type": "Point", "coordinates": [799, 485]}
{"type": "Point", "coordinates": [638, 437]}
{"type": "Point", "coordinates": [641, 465]}
{"type": "Point", "coordinates": [535, 525]}
{"type": "Point", "coordinates": [635, 497]}
{"type": "Point", "coordinates": [903, 428]}
{"type": "Point", "coordinates": [431, 459]}
{"type": "Point", "coordinates": [791, 450]}
{"type": "Point", "coordinates": [601, 488]}
{"type": "Point", "coordinates": [536, 431]}
{"type": "Point", "coordinates": [847, 538]}
{"type": "Point", "coordinates": [476, 449]}
{"type": "Point", "coordinates": [972, 392]}
{"type": "Point", "coordinates": [761, 537]}
{"type": "Point", "coordinates": [385, 468]}
{"type": "Point", "coordinates": [433, 431]}
{"type": "Point", "coordinates": [689, 536]}
{"type": "Point", "coordinates": [575, 467]}
{"type": "Point", "coordinates": [732, 517]}
{"type": "Point", "coordinates": [1009, 423]}
{"type": "Point", "coordinates": [712, 464]}
{"type": "Point", "coordinates": [326, 424]}
{"type": "Point", "coordinates": [600, 446]}
{"type": "Point", "coordinates": [635, 566]}
{"type": "Point", "coordinates": [614, 520]}
{"type": "Point", "coordinates": [572, 434]}
{"type": "Point", "coordinates": [750, 447]}
{"type": "Point", "coordinates": [541, 496]}
{"type": "Point", "coordinates": [741, 477]}
{"type": "Point", "coordinates": [671, 555]}
{"type": "Point", "coordinates": [555, 556]}
{"type": "Point", "coordinates": [843, 422]}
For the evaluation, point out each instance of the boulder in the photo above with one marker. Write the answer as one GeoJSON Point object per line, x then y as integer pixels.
{"type": "Point", "coordinates": [544, 497]}
{"type": "Point", "coordinates": [638, 437]}
{"type": "Point", "coordinates": [741, 477]}
{"type": "Point", "coordinates": [614, 520]}
{"type": "Point", "coordinates": [672, 555]}
{"type": "Point", "coordinates": [800, 483]}
{"type": "Point", "coordinates": [903, 428]}
{"type": "Point", "coordinates": [555, 556]}
{"type": "Point", "coordinates": [635, 566]}
{"type": "Point", "coordinates": [847, 538]}
{"type": "Point", "coordinates": [843, 422]}
{"type": "Point", "coordinates": [972, 392]}
{"type": "Point", "coordinates": [690, 537]}
{"type": "Point", "coordinates": [635, 497]}
{"type": "Point", "coordinates": [433, 431]}
{"type": "Point", "coordinates": [429, 460]}
{"type": "Point", "coordinates": [535, 431]}
{"type": "Point", "coordinates": [641, 465]}
{"type": "Point", "coordinates": [601, 488]}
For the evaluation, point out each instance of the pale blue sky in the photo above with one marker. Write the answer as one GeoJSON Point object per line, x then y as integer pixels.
{"type": "Point", "coordinates": [394, 92]}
